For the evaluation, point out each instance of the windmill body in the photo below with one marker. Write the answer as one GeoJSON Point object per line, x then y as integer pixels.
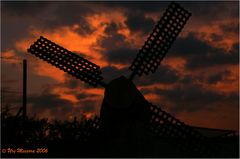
{"type": "Point", "coordinates": [124, 110]}
{"type": "Point", "coordinates": [125, 116]}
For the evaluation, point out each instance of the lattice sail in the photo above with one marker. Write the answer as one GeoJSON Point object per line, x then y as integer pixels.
{"type": "Point", "coordinates": [67, 61]}
{"type": "Point", "coordinates": [162, 118]}
{"type": "Point", "coordinates": [162, 124]}
{"type": "Point", "coordinates": [160, 40]}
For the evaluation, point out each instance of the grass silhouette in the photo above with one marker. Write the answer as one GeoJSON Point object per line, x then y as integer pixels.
{"type": "Point", "coordinates": [85, 138]}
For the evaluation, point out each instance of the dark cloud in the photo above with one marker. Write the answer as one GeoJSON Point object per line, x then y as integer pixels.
{"type": "Point", "coordinates": [83, 55]}
{"type": "Point", "coordinates": [192, 98]}
{"type": "Point", "coordinates": [111, 29]}
{"type": "Point", "coordinates": [187, 79]}
{"type": "Point", "coordinates": [71, 82]}
{"type": "Point", "coordinates": [82, 96]}
{"type": "Point", "coordinates": [145, 6]}
{"type": "Point", "coordinates": [230, 28]}
{"type": "Point", "coordinates": [50, 14]}
{"type": "Point", "coordinates": [213, 79]}
{"type": "Point", "coordinates": [164, 75]}
{"type": "Point", "coordinates": [58, 108]}
{"type": "Point", "coordinates": [136, 21]}
{"type": "Point", "coordinates": [23, 8]}
{"type": "Point", "coordinates": [49, 101]}
{"type": "Point", "coordinates": [215, 58]}
{"type": "Point", "coordinates": [10, 33]}
{"type": "Point", "coordinates": [69, 13]}
{"type": "Point", "coordinates": [121, 55]}
{"type": "Point", "coordinates": [113, 40]}
{"type": "Point", "coordinates": [17, 18]}
{"type": "Point", "coordinates": [11, 95]}
{"type": "Point", "coordinates": [215, 10]}
{"type": "Point", "coordinates": [43, 16]}
{"type": "Point", "coordinates": [216, 37]}
{"type": "Point", "coordinates": [189, 46]}
{"type": "Point", "coordinates": [118, 50]}
{"type": "Point", "coordinates": [89, 106]}
{"type": "Point", "coordinates": [200, 54]}
{"type": "Point", "coordinates": [110, 73]}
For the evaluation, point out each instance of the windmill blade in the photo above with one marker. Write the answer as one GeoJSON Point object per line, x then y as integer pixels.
{"type": "Point", "coordinates": [162, 124]}
{"type": "Point", "coordinates": [162, 118]}
{"type": "Point", "coordinates": [160, 40]}
{"type": "Point", "coordinates": [67, 61]}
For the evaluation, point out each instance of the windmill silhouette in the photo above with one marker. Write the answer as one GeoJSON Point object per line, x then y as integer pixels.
{"type": "Point", "coordinates": [124, 110]}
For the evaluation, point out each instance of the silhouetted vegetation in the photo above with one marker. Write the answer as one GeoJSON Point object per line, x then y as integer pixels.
{"type": "Point", "coordinates": [59, 138]}
{"type": "Point", "coordinates": [84, 138]}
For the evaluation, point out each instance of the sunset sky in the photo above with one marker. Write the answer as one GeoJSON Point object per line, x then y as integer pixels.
{"type": "Point", "coordinates": [197, 81]}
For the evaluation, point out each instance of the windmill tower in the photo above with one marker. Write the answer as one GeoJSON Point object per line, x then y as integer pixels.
{"type": "Point", "coordinates": [125, 113]}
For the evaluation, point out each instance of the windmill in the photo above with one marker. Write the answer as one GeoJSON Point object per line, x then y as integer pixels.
{"type": "Point", "coordinates": [121, 95]}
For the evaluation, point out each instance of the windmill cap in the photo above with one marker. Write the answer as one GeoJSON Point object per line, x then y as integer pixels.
{"type": "Point", "coordinates": [120, 93]}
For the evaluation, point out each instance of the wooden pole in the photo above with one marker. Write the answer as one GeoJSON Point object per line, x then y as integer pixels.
{"type": "Point", "coordinates": [24, 88]}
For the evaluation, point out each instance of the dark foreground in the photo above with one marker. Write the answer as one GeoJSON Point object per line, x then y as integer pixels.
{"type": "Point", "coordinates": [88, 138]}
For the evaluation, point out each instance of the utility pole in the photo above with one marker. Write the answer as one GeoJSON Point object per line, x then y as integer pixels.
{"type": "Point", "coordinates": [24, 88]}
{"type": "Point", "coordinates": [23, 109]}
